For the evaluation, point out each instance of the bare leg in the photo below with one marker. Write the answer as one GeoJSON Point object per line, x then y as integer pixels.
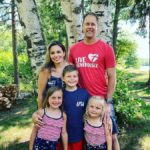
{"type": "Point", "coordinates": [32, 137]}
{"type": "Point", "coordinates": [115, 143]}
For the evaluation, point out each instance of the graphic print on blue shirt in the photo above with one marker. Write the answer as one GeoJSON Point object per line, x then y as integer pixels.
{"type": "Point", "coordinates": [74, 105]}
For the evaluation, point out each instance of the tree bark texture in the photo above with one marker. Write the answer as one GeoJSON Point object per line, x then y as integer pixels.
{"type": "Point", "coordinates": [103, 10]}
{"type": "Point", "coordinates": [33, 35]}
{"type": "Point", "coordinates": [72, 11]}
{"type": "Point", "coordinates": [115, 25]}
{"type": "Point", "coordinates": [14, 43]}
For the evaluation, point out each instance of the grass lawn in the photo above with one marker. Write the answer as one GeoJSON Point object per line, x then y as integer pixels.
{"type": "Point", "coordinates": [16, 124]}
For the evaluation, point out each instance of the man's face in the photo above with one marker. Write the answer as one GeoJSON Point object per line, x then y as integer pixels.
{"type": "Point", "coordinates": [90, 27]}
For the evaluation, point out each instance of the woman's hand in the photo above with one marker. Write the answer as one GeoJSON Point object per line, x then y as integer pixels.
{"type": "Point", "coordinates": [37, 119]}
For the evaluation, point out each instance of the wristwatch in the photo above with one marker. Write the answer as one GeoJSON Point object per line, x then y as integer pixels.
{"type": "Point", "coordinates": [109, 100]}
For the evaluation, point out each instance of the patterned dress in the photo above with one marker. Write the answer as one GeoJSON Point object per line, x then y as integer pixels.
{"type": "Point", "coordinates": [49, 133]}
{"type": "Point", "coordinates": [95, 137]}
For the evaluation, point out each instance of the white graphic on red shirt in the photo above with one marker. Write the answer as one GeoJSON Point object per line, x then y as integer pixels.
{"type": "Point", "coordinates": [93, 57]}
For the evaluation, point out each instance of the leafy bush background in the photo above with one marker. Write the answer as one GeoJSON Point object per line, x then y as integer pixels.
{"type": "Point", "coordinates": [128, 109]}
{"type": "Point", "coordinates": [7, 69]}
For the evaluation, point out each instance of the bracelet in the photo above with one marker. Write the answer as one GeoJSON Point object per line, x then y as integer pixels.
{"type": "Point", "coordinates": [109, 100]}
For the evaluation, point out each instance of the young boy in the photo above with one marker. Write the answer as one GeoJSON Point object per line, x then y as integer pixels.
{"type": "Point", "coordinates": [75, 100]}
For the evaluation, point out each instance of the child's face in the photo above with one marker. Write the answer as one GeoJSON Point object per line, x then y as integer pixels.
{"type": "Point", "coordinates": [55, 100]}
{"type": "Point", "coordinates": [71, 79]}
{"type": "Point", "coordinates": [94, 109]}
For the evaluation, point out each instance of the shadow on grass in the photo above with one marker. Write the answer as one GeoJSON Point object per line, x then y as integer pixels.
{"type": "Point", "coordinates": [131, 139]}
{"type": "Point", "coordinates": [15, 145]}
{"type": "Point", "coordinates": [19, 115]}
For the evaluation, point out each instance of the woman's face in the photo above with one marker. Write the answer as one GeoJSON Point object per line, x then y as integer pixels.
{"type": "Point", "coordinates": [57, 55]}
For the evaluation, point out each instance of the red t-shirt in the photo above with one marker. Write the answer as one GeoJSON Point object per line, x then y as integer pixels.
{"type": "Point", "coordinates": [92, 62]}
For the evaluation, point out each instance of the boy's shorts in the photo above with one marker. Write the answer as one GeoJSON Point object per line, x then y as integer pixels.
{"type": "Point", "coordinates": [72, 146]}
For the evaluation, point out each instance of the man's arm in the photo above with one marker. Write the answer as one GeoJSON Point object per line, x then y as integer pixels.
{"type": "Point", "coordinates": [111, 75]}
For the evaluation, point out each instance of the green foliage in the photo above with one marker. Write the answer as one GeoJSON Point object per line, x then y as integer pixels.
{"type": "Point", "coordinates": [7, 71]}
{"type": "Point", "coordinates": [52, 20]}
{"type": "Point", "coordinates": [24, 67]}
{"type": "Point", "coordinates": [128, 109]}
{"type": "Point", "coordinates": [6, 39]}
{"type": "Point", "coordinates": [126, 51]}
{"type": "Point", "coordinates": [6, 67]}
{"type": "Point", "coordinates": [132, 60]}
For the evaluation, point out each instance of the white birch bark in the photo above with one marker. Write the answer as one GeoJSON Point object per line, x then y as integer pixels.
{"type": "Point", "coordinates": [67, 12]}
{"type": "Point", "coordinates": [103, 10]}
{"type": "Point", "coordinates": [77, 18]}
{"type": "Point", "coordinates": [73, 20]}
{"type": "Point", "coordinates": [30, 22]}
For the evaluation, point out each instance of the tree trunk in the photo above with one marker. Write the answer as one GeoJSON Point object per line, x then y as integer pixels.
{"type": "Point", "coordinates": [72, 12]}
{"type": "Point", "coordinates": [148, 83]}
{"type": "Point", "coordinates": [115, 25]}
{"type": "Point", "coordinates": [103, 10]}
{"type": "Point", "coordinates": [77, 18]}
{"type": "Point", "coordinates": [15, 56]}
{"type": "Point", "coordinates": [33, 35]}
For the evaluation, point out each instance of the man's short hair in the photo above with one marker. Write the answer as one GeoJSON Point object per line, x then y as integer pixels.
{"type": "Point", "coordinates": [90, 14]}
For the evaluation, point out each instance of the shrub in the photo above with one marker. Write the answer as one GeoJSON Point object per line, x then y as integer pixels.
{"type": "Point", "coordinates": [7, 69]}
{"type": "Point", "coordinates": [127, 108]}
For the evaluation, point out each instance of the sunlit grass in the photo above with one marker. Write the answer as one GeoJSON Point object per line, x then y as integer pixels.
{"type": "Point", "coordinates": [145, 142]}
{"type": "Point", "coordinates": [15, 134]}
{"type": "Point", "coordinates": [137, 83]}
{"type": "Point", "coordinates": [16, 125]}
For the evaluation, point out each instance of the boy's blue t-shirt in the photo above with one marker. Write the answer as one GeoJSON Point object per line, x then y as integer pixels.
{"type": "Point", "coordinates": [74, 105]}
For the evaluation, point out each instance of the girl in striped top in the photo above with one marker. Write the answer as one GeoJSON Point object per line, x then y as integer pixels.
{"type": "Point", "coordinates": [54, 122]}
{"type": "Point", "coordinates": [98, 130]}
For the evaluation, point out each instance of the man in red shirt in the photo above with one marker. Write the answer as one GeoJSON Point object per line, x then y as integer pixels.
{"type": "Point", "coordinates": [95, 61]}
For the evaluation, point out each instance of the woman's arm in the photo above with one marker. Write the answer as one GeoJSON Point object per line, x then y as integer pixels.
{"type": "Point", "coordinates": [64, 134]}
{"type": "Point", "coordinates": [37, 119]}
{"type": "Point", "coordinates": [42, 81]}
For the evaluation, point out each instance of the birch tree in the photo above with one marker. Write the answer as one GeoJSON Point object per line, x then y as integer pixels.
{"type": "Point", "coordinates": [72, 11]}
{"type": "Point", "coordinates": [103, 10]}
{"type": "Point", "coordinates": [33, 35]}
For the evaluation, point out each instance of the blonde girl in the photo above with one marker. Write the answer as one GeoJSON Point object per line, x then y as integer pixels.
{"type": "Point", "coordinates": [98, 129]}
{"type": "Point", "coordinates": [54, 122]}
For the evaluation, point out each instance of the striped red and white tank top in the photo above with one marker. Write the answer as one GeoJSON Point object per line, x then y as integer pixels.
{"type": "Point", "coordinates": [51, 129]}
{"type": "Point", "coordinates": [94, 135]}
